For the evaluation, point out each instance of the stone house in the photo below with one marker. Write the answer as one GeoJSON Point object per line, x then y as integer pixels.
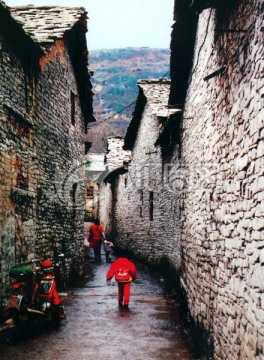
{"type": "Point", "coordinates": [222, 148]}
{"type": "Point", "coordinates": [46, 103]}
{"type": "Point", "coordinates": [209, 152]}
{"type": "Point", "coordinates": [143, 209]}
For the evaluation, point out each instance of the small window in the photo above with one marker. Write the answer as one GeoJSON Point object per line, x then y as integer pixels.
{"type": "Point", "coordinates": [151, 207]}
{"type": "Point", "coordinates": [125, 182]}
{"type": "Point", "coordinates": [87, 146]}
{"type": "Point", "coordinates": [74, 193]}
{"type": "Point", "coordinates": [140, 212]}
{"type": "Point", "coordinates": [90, 191]}
{"type": "Point", "coordinates": [72, 108]}
{"type": "Point", "coordinates": [141, 196]}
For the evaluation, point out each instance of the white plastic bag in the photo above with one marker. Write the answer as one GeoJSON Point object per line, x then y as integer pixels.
{"type": "Point", "coordinates": [86, 242]}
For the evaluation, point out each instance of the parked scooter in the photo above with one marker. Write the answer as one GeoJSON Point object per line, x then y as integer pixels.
{"type": "Point", "coordinates": [33, 293]}
{"type": "Point", "coordinates": [46, 301]}
{"type": "Point", "coordinates": [23, 285]}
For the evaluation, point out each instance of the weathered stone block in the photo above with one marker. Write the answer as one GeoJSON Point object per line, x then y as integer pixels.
{"type": "Point", "coordinates": [256, 279]}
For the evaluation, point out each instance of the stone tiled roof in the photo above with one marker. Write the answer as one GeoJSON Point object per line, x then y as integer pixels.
{"type": "Point", "coordinates": [156, 93]}
{"type": "Point", "coordinates": [26, 48]}
{"type": "Point", "coordinates": [47, 23]}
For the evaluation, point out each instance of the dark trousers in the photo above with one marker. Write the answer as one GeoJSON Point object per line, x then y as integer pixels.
{"type": "Point", "coordinates": [97, 253]}
{"type": "Point", "coordinates": [108, 256]}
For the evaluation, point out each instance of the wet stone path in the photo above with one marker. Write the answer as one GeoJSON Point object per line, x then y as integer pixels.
{"type": "Point", "coordinates": [96, 328]}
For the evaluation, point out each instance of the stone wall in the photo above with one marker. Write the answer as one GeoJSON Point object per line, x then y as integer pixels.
{"type": "Point", "coordinates": [60, 158]}
{"type": "Point", "coordinates": [222, 200]}
{"type": "Point", "coordinates": [17, 151]}
{"type": "Point", "coordinates": [106, 209]}
{"type": "Point", "coordinates": [42, 152]}
{"type": "Point", "coordinates": [116, 156]}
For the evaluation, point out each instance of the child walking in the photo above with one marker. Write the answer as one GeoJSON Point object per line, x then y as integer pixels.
{"type": "Point", "coordinates": [124, 271]}
{"type": "Point", "coordinates": [108, 248]}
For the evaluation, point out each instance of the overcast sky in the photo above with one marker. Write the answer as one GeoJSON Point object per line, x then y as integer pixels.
{"type": "Point", "coordinates": [121, 23]}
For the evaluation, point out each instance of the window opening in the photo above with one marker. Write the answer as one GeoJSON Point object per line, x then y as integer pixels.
{"type": "Point", "coordinates": [151, 207]}
{"type": "Point", "coordinates": [72, 108]}
{"type": "Point", "coordinates": [74, 193]}
{"type": "Point", "coordinates": [90, 191]}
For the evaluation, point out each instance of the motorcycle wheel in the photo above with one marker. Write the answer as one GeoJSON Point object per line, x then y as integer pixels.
{"type": "Point", "coordinates": [55, 316]}
{"type": "Point", "coordinates": [23, 321]}
{"type": "Point", "coordinates": [7, 314]}
{"type": "Point", "coordinates": [17, 320]}
{"type": "Point", "coordinates": [56, 321]}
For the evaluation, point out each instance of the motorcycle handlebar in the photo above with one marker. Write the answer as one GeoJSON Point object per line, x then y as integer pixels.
{"type": "Point", "coordinates": [29, 262]}
{"type": "Point", "coordinates": [36, 260]}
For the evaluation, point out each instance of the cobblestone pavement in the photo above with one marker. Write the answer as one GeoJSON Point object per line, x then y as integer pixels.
{"type": "Point", "coordinates": [96, 328]}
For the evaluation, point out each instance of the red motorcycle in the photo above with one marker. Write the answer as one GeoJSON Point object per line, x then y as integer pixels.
{"type": "Point", "coordinates": [33, 293]}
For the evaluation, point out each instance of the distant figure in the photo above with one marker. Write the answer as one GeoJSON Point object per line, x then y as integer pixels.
{"type": "Point", "coordinates": [124, 271]}
{"type": "Point", "coordinates": [108, 247]}
{"type": "Point", "coordinates": [95, 239]}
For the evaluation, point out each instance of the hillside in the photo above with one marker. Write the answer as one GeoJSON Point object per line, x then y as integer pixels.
{"type": "Point", "coordinates": [114, 81]}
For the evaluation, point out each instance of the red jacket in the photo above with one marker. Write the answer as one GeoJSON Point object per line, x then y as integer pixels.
{"type": "Point", "coordinates": [95, 235]}
{"type": "Point", "coordinates": [121, 263]}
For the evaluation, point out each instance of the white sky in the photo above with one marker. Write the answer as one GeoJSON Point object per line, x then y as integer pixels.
{"type": "Point", "coordinates": [121, 23]}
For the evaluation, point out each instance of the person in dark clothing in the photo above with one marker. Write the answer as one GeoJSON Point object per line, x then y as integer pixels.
{"type": "Point", "coordinates": [96, 235]}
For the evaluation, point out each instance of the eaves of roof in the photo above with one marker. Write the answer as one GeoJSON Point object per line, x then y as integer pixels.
{"type": "Point", "coordinates": [170, 126]}
{"type": "Point", "coordinates": [45, 24]}
{"type": "Point", "coordinates": [155, 92]}
{"type": "Point", "coordinates": [15, 35]}
{"type": "Point", "coordinates": [114, 173]}
{"type": "Point", "coordinates": [134, 124]}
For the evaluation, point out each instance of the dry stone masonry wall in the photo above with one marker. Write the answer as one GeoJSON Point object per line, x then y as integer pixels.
{"type": "Point", "coordinates": [42, 132]}
{"type": "Point", "coordinates": [60, 187]}
{"type": "Point", "coordinates": [116, 156]}
{"type": "Point", "coordinates": [222, 200]}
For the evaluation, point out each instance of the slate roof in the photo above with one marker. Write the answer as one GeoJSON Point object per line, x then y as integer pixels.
{"type": "Point", "coordinates": [157, 93]}
{"type": "Point", "coordinates": [47, 23]}
{"type": "Point", "coordinates": [26, 49]}
{"type": "Point", "coordinates": [154, 92]}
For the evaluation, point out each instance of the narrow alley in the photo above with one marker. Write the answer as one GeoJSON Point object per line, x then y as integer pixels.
{"type": "Point", "coordinates": [172, 172]}
{"type": "Point", "coordinates": [96, 328]}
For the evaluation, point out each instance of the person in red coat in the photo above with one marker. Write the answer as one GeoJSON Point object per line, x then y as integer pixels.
{"type": "Point", "coordinates": [124, 271]}
{"type": "Point", "coordinates": [96, 235]}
